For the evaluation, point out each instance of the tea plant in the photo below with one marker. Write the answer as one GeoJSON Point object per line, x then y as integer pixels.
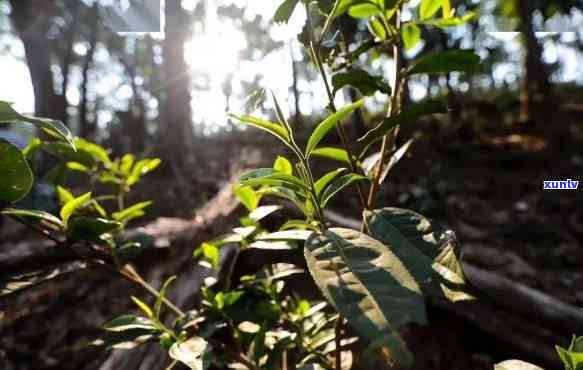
{"type": "Point", "coordinates": [572, 358]}
{"type": "Point", "coordinates": [376, 278]}
{"type": "Point", "coordinates": [89, 225]}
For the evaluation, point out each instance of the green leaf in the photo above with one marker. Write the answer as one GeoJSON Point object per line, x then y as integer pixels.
{"type": "Point", "coordinates": [572, 358]}
{"type": "Point", "coordinates": [296, 224]}
{"type": "Point", "coordinates": [249, 197]}
{"type": "Point", "coordinates": [16, 177]}
{"type": "Point", "coordinates": [212, 254]}
{"type": "Point", "coordinates": [414, 111]}
{"type": "Point", "coordinates": [281, 117]}
{"type": "Point", "coordinates": [367, 284]}
{"type": "Point", "coordinates": [161, 296]}
{"type": "Point", "coordinates": [376, 28]}
{"type": "Point", "coordinates": [127, 161]}
{"type": "Point", "coordinates": [445, 62]}
{"type": "Point", "coordinates": [273, 128]}
{"type": "Point", "coordinates": [411, 35]}
{"type": "Point", "coordinates": [66, 152]}
{"type": "Point", "coordinates": [281, 192]}
{"type": "Point", "coordinates": [41, 215]}
{"type": "Point", "coordinates": [283, 165]}
{"type": "Point", "coordinates": [92, 229]}
{"type": "Point", "coordinates": [428, 8]}
{"type": "Point", "coordinates": [76, 166]}
{"type": "Point", "coordinates": [128, 322]}
{"type": "Point", "coordinates": [325, 180]}
{"type": "Point", "coordinates": [269, 176]}
{"type": "Point", "coordinates": [31, 149]}
{"type": "Point", "coordinates": [130, 213]}
{"type": "Point", "coordinates": [13, 282]}
{"type": "Point", "coordinates": [516, 365]}
{"type": "Point", "coordinates": [336, 154]}
{"type": "Point", "coordinates": [249, 327]}
{"type": "Point", "coordinates": [126, 339]}
{"type": "Point", "coordinates": [331, 16]}
{"type": "Point", "coordinates": [452, 21]}
{"type": "Point", "coordinates": [364, 10]}
{"type": "Point", "coordinates": [52, 127]}
{"type": "Point", "coordinates": [326, 125]}
{"type": "Point", "coordinates": [232, 297]}
{"type": "Point", "coordinates": [98, 153]}
{"type": "Point", "coordinates": [260, 213]}
{"type": "Point", "coordinates": [285, 11]}
{"type": "Point", "coordinates": [190, 352]}
{"type": "Point", "coordinates": [64, 195]}
{"type": "Point", "coordinates": [361, 80]}
{"type": "Point", "coordinates": [141, 168]}
{"type": "Point", "coordinates": [144, 307]}
{"type": "Point", "coordinates": [73, 205]}
{"type": "Point", "coordinates": [300, 235]}
{"type": "Point", "coordinates": [430, 252]}
{"type": "Point", "coordinates": [338, 185]}
{"type": "Point", "coordinates": [446, 9]}
{"type": "Point", "coordinates": [395, 158]}
{"type": "Point", "coordinates": [576, 344]}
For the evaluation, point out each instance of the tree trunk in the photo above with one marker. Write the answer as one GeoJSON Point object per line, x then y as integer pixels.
{"type": "Point", "coordinates": [31, 21]}
{"type": "Point", "coordinates": [295, 90]}
{"type": "Point", "coordinates": [176, 127]}
{"type": "Point", "coordinates": [535, 82]}
{"type": "Point", "coordinates": [86, 127]}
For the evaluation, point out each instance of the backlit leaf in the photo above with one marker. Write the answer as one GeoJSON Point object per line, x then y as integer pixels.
{"type": "Point", "coordinates": [411, 35]}
{"type": "Point", "coordinates": [73, 205]}
{"type": "Point", "coordinates": [52, 127]}
{"type": "Point", "coordinates": [430, 252]}
{"type": "Point", "coordinates": [326, 125]}
{"type": "Point", "coordinates": [336, 154]}
{"type": "Point", "coordinates": [516, 365]}
{"type": "Point", "coordinates": [445, 62]}
{"type": "Point", "coordinates": [413, 112]}
{"type": "Point", "coordinates": [130, 213]}
{"type": "Point", "coordinates": [428, 8]}
{"type": "Point", "coordinates": [368, 285]}
{"type": "Point", "coordinates": [273, 128]}
{"type": "Point", "coordinates": [366, 83]}
{"type": "Point", "coordinates": [284, 11]}
{"type": "Point", "coordinates": [338, 185]}
{"type": "Point", "coordinates": [40, 215]}
{"type": "Point", "coordinates": [16, 177]}
{"type": "Point", "coordinates": [190, 352]}
{"type": "Point", "coordinates": [283, 165]}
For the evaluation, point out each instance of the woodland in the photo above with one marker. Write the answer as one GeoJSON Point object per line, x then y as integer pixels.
{"type": "Point", "coordinates": [291, 184]}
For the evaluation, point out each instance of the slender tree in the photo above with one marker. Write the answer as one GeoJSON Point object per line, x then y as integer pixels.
{"type": "Point", "coordinates": [535, 81]}
{"type": "Point", "coordinates": [176, 128]}
{"type": "Point", "coordinates": [31, 21]}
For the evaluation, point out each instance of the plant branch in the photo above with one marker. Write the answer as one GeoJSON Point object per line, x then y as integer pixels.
{"type": "Point", "coordinates": [389, 139]}
{"type": "Point", "coordinates": [340, 129]}
{"type": "Point", "coordinates": [38, 230]}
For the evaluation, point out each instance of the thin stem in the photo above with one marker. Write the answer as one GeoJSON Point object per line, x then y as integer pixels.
{"type": "Point", "coordinates": [389, 139]}
{"type": "Point", "coordinates": [239, 356]}
{"type": "Point", "coordinates": [38, 230]}
{"type": "Point", "coordinates": [120, 198]}
{"type": "Point", "coordinates": [172, 364]}
{"type": "Point", "coordinates": [134, 276]}
{"type": "Point", "coordinates": [150, 289]}
{"type": "Point", "coordinates": [332, 105]}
